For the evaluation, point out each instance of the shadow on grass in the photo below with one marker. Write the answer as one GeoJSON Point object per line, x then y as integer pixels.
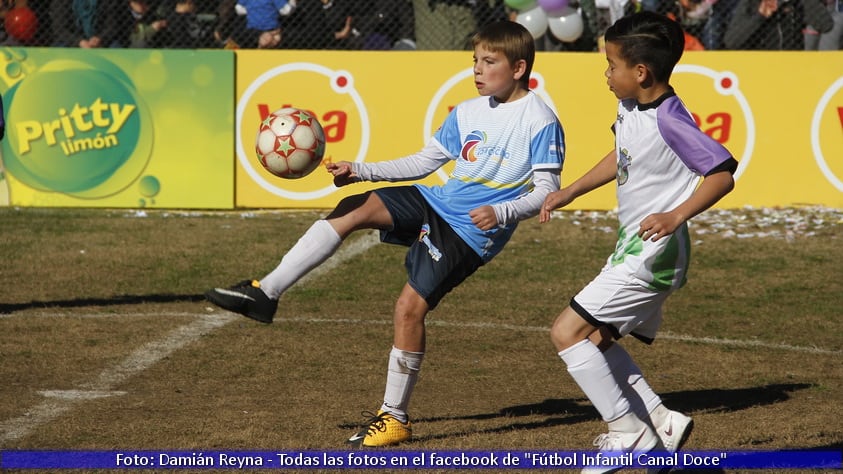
{"type": "Point", "coordinates": [570, 411]}
{"type": "Point", "coordinates": [725, 400]}
{"type": "Point", "coordinates": [6, 308]}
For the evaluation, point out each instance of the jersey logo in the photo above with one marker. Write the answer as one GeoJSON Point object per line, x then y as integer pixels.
{"type": "Point", "coordinates": [624, 161]}
{"type": "Point", "coordinates": [471, 141]}
{"type": "Point", "coordinates": [424, 238]}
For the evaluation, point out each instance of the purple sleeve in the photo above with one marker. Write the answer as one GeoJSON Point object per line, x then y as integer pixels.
{"type": "Point", "coordinates": [698, 151]}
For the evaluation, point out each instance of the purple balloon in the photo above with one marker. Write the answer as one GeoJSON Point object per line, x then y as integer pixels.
{"type": "Point", "coordinates": [552, 6]}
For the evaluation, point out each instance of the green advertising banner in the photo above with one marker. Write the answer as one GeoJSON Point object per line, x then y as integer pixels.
{"type": "Point", "coordinates": [117, 128]}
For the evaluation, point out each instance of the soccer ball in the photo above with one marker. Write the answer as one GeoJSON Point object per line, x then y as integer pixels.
{"type": "Point", "coordinates": [290, 143]}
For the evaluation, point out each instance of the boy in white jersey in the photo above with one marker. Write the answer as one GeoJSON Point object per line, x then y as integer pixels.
{"type": "Point", "coordinates": [659, 157]}
{"type": "Point", "coordinates": [508, 146]}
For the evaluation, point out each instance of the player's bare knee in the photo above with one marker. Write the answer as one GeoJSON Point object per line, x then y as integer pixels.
{"type": "Point", "coordinates": [408, 311]}
{"type": "Point", "coordinates": [407, 318]}
{"type": "Point", "coordinates": [568, 329]}
{"type": "Point", "coordinates": [559, 336]}
{"type": "Point", "coordinates": [410, 307]}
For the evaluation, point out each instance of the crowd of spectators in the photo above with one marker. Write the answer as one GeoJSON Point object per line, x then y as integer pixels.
{"type": "Point", "coordinates": [397, 24]}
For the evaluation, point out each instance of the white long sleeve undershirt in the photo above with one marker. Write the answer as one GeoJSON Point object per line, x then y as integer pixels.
{"type": "Point", "coordinates": [432, 157]}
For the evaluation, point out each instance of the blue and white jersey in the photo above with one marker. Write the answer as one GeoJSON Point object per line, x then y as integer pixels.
{"type": "Point", "coordinates": [662, 155]}
{"type": "Point", "coordinates": [496, 147]}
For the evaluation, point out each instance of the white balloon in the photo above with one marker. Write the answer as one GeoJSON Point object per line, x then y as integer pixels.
{"type": "Point", "coordinates": [568, 26]}
{"type": "Point", "coordinates": [535, 20]}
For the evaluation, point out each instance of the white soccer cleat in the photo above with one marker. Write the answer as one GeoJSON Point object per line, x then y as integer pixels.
{"type": "Point", "coordinates": [675, 431]}
{"type": "Point", "coordinates": [634, 436]}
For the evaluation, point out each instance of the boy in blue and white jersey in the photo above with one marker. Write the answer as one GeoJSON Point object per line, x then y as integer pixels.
{"type": "Point", "coordinates": [508, 147]}
{"type": "Point", "coordinates": [658, 162]}
{"type": "Point", "coordinates": [497, 147]}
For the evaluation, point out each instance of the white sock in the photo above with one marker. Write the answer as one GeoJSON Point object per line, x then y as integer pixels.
{"type": "Point", "coordinates": [314, 247]}
{"type": "Point", "coordinates": [628, 423]}
{"type": "Point", "coordinates": [401, 378]}
{"type": "Point", "coordinates": [590, 370]}
{"type": "Point", "coordinates": [658, 415]}
{"type": "Point", "coordinates": [638, 392]}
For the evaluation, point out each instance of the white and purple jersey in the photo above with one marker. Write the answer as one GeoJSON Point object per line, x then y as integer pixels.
{"type": "Point", "coordinates": [496, 147]}
{"type": "Point", "coordinates": [662, 155]}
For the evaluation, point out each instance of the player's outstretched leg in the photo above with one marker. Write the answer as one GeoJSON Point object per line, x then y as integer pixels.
{"type": "Point", "coordinates": [259, 299]}
{"type": "Point", "coordinates": [244, 298]}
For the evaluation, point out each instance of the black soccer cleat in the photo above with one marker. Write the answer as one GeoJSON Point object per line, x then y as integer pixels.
{"type": "Point", "coordinates": [244, 298]}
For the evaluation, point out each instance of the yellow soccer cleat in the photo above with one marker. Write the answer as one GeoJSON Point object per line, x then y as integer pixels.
{"type": "Point", "coordinates": [381, 430]}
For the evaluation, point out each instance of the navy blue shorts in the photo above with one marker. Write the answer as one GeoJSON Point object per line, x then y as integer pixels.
{"type": "Point", "coordinates": [438, 259]}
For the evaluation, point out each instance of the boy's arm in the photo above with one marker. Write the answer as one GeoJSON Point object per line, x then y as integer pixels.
{"type": "Point", "coordinates": [525, 206]}
{"type": "Point", "coordinates": [408, 168]}
{"type": "Point", "coordinates": [712, 189]}
{"type": "Point", "coordinates": [604, 172]}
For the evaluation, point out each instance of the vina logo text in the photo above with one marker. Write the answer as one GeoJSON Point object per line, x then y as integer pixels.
{"type": "Point", "coordinates": [717, 125]}
{"type": "Point", "coordinates": [107, 118]}
{"type": "Point", "coordinates": [334, 122]}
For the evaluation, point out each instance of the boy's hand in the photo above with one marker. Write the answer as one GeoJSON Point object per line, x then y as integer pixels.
{"type": "Point", "coordinates": [552, 201]}
{"type": "Point", "coordinates": [342, 172]}
{"type": "Point", "coordinates": [656, 226]}
{"type": "Point", "coordinates": [484, 217]}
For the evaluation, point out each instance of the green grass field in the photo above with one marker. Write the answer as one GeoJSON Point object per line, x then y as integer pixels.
{"type": "Point", "coordinates": [106, 343]}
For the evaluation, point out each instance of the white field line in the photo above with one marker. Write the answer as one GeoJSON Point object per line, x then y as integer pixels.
{"type": "Point", "coordinates": [715, 341]}
{"type": "Point", "coordinates": [60, 401]}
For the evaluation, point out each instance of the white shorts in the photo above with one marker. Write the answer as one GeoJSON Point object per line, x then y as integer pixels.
{"type": "Point", "coordinates": [621, 302]}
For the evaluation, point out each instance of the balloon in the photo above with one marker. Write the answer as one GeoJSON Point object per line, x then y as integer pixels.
{"type": "Point", "coordinates": [553, 7]}
{"type": "Point", "coordinates": [520, 5]}
{"type": "Point", "coordinates": [568, 26]}
{"type": "Point", "coordinates": [21, 23]}
{"type": "Point", "coordinates": [534, 20]}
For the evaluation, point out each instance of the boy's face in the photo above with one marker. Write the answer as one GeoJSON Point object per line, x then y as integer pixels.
{"type": "Point", "coordinates": [623, 79]}
{"type": "Point", "coordinates": [495, 76]}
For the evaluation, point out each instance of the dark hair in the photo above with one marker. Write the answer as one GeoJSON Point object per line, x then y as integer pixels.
{"type": "Point", "coordinates": [513, 40]}
{"type": "Point", "coordinates": [650, 39]}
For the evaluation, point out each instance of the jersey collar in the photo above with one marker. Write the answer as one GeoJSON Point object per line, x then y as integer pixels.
{"type": "Point", "coordinates": [652, 105]}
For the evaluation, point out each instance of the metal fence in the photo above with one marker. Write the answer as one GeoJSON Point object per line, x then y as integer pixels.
{"type": "Point", "coordinates": [557, 25]}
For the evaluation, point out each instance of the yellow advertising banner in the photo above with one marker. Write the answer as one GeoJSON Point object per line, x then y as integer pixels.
{"type": "Point", "coordinates": [117, 128]}
{"type": "Point", "coordinates": [780, 114]}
